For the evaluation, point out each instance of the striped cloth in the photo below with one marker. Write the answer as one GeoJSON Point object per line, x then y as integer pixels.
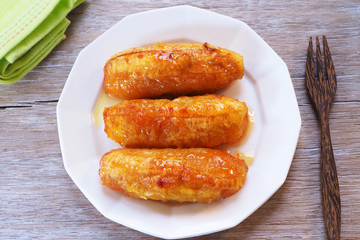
{"type": "Point", "coordinates": [29, 30]}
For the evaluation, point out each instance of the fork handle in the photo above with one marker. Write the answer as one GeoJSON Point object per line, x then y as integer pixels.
{"type": "Point", "coordinates": [329, 183]}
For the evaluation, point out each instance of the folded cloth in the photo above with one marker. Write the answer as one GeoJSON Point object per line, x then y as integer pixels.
{"type": "Point", "coordinates": [29, 30]}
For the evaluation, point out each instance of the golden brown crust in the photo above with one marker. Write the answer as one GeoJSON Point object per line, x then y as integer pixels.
{"type": "Point", "coordinates": [199, 121]}
{"type": "Point", "coordinates": [183, 175]}
{"type": "Point", "coordinates": [171, 69]}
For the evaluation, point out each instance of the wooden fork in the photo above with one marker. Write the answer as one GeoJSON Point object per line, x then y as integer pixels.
{"type": "Point", "coordinates": [322, 92]}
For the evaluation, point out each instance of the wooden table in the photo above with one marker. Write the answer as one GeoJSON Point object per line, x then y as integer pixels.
{"type": "Point", "coordinates": [38, 200]}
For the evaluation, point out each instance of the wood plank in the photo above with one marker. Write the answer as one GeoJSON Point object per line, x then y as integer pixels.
{"type": "Point", "coordinates": [39, 200]}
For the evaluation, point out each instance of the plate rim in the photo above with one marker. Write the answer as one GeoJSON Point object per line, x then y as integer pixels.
{"type": "Point", "coordinates": [59, 111]}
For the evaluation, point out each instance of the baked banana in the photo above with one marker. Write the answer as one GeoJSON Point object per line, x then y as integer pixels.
{"type": "Point", "coordinates": [199, 121]}
{"type": "Point", "coordinates": [171, 69]}
{"type": "Point", "coordinates": [183, 175]}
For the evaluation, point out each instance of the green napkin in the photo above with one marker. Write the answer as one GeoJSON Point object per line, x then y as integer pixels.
{"type": "Point", "coordinates": [29, 30]}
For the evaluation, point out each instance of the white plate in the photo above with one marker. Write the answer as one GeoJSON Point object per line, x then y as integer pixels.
{"type": "Point", "coordinates": [266, 87]}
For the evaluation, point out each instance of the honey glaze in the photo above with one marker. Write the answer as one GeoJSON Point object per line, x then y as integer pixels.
{"type": "Point", "coordinates": [248, 157]}
{"type": "Point", "coordinates": [103, 100]}
{"type": "Point", "coordinates": [249, 128]}
{"type": "Point", "coordinates": [232, 148]}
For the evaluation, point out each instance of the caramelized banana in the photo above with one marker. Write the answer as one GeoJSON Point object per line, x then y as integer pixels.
{"type": "Point", "coordinates": [199, 121]}
{"type": "Point", "coordinates": [171, 69]}
{"type": "Point", "coordinates": [183, 175]}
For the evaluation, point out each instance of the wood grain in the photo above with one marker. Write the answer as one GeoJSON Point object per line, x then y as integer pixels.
{"type": "Point", "coordinates": [322, 92]}
{"type": "Point", "coordinates": [39, 200]}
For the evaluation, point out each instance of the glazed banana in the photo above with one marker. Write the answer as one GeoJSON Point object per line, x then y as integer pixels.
{"type": "Point", "coordinates": [183, 175]}
{"type": "Point", "coordinates": [171, 69]}
{"type": "Point", "coordinates": [199, 121]}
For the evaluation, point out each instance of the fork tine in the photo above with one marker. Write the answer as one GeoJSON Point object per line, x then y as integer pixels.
{"type": "Point", "coordinates": [310, 69]}
{"type": "Point", "coordinates": [330, 70]}
{"type": "Point", "coordinates": [319, 61]}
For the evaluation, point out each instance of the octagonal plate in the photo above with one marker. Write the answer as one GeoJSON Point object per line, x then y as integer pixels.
{"type": "Point", "coordinates": [266, 87]}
